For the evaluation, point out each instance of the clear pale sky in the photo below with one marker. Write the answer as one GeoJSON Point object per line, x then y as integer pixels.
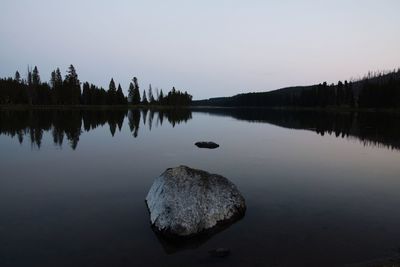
{"type": "Point", "coordinates": [208, 47]}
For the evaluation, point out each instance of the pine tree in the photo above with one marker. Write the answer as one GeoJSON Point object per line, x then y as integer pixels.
{"type": "Point", "coordinates": [53, 86]}
{"type": "Point", "coordinates": [112, 93]}
{"type": "Point", "coordinates": [161, 98]}
{"type": "Point", "coordinates": [29, 77]}
{"type": "Point", "coordinates": [72, 86]}
{"type": "Point", "coordinates": [131, 92]}
{"type": "Point", "coordinates": [17, 77]}
{"type": "Point", "coordinates": [157, 95]}
{"type": "Point", "coordinates": [151, 97]}
{"type": "Point", "coordinates": [120, 95]}
{"type": "Point", "coordinates": [58, 79]}
{"type": "Point", "coordinates": [35, 77]}
{"type": "Point", "coordinates": [72, 77]}
{"type": "Point", "coordinates": [53, 79]}
{"type": "Point", "coordinates": [57, 83]}
{"type": "Point", "coordinates": [144, 98]}
{"type": "Point", "coordinates": [136, 94]}
{"type": "Point", "coordinates": [30, 89]}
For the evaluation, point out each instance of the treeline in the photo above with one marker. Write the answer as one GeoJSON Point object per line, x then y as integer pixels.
{"type": "Point", "coordinates": [68, 91]}
{"type": "Point", "coordinates": [378, 90]}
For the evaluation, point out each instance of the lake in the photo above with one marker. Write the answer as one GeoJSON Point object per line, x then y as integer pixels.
{"type": "Point", "coordinates": [321, 188]}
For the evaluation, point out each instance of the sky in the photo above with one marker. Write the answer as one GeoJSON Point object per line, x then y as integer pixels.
{"type": "Point", "coordinates": [209, 48]}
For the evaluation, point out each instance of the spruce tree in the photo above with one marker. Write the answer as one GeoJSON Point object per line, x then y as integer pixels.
{"type": "Point", "coordinates": [17, 77]}
{"type": "Point", "coordinates": [136, 94]}
{"type": "Point", "coordinates": [57, 82]}
{"type": "Point", "coordinates": [120, 95]}
{"type": "Point", "coordinates": [151, 97]}
{"type": "Point", "coordinates": [58, 79]}
{"type": "Point", "coordinates": [131, 92]}
{"type": "Point", "coordinates": [144, 98]}
{"type": "Point", "coordinates": [72, 86]}
{"type": "Point", "coordinates": [30, 89]}
{"type": "Point", "coordinates": [35, 77]}
{"type": "Point", "coordinates": [112, 92]}
{"type": "Point", "coordinates": [29, 77]}
{"type": "Point", "coordinates": [53, 79]}
{"type": "Point", "coordinates": [161, 98]}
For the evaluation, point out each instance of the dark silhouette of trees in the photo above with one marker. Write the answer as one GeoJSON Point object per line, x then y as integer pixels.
{"type": "Point", "coordinates": [175, 98]}
{"type": "Point", "coordinates": [35, 77]}
{"type": "Point", "coordinates": [92, 95]}
{"type": "Point", "coordinates": [86, 99]}
{"type": "Point", "coordinates": [151, 97]}
{"type": "Point", "coordinates": [56, 83]}
{"type": "Point", "coordinates": [144, 98]}
{"type": "Point", "coordinates": [135, 95]}
{"type": "Point", "coordinates": [17, 77]}
{"type": "Point", "coordinates": [161, 97]}
{"type": "Point", "coordinates": [112, 93]}
{"type": "Point", "coordinates": [38, 93]}
{"type": "Point", "coordinates": [120, 98]}
{"type": "Point", "coordinates": [71, 87]}
{"type": "Point", "coordinates": [131, 92]}
{"type": "Point", "coordinates": [13, 92]}
{"type": "Point", "coordinates": [378, 90]}
{"type": "Point", "coordinates": [68, 91]}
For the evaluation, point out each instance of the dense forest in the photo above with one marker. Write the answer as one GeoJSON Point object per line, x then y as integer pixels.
{"type": "Point", "coordinates": [376, 90]}
{"type": "Point", "coordinates": [70, 91]}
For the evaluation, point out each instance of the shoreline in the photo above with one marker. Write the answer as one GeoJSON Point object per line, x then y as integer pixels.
{"type": "Point", "coordinates": [95, 107]}
{"type": "Point", "coordinates": [159, 107]}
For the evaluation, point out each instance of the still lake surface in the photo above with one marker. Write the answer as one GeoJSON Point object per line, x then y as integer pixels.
{"type": "Point", "coordinates": [321, 188]}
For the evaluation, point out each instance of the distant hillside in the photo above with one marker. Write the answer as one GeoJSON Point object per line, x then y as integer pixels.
{"type": "Point", "coordinates": [375, 90]}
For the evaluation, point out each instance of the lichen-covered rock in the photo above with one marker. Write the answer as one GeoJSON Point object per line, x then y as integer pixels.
{"type": "Point", "coordinates": [210, 145]}
{"type": "Point", "coordinates": [184, 201]}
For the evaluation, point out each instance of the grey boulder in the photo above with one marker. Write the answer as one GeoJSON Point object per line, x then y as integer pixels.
{"type": "Point", "coordinates": [184, 202]}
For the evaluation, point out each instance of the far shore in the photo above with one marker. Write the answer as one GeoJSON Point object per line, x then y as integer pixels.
{"type": "Point", "coordinates": [106, 107]}
{"type": "Point", "coordinates": [194, 107]}
{"type": "Point", "coordinates": [320, 109]}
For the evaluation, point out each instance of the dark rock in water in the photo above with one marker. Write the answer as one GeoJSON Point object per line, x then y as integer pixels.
{"type": "Point", "coordinates": [220, 252]}
{"type": "Point", "coordinates": [210, 145]}
{"type": "Point", "coordinates": [184, 202]}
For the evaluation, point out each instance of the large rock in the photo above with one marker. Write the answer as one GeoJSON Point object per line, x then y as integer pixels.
{"type": "Point", "coordinates": [184, 202]}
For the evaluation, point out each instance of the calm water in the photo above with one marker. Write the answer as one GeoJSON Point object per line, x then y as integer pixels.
{"type": "Point", "coordinates": [321, 188]}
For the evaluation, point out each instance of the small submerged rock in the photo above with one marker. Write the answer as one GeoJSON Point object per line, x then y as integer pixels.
{"type": "Point", "coordinates": [184, 202]}
{"type": "Point", "coordinates": [210, 145]}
